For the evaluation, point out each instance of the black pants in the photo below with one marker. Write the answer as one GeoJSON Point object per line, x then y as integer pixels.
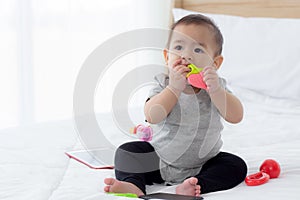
{"type": "Point", "coordinates": [137, 163]}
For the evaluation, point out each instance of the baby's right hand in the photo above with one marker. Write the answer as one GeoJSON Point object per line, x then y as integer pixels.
{"type": "Point", "coordinates": [177, 75]}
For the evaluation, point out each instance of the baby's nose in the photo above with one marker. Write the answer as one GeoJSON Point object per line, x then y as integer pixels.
{"type": "Point", "coordinates": [185, 60]}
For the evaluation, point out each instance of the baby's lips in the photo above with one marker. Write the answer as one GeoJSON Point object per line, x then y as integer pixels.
{"type": "Point", "coordinates": [179, 62]}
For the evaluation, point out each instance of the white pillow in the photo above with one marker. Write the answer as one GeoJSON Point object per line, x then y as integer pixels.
{"type": "Point", "coordinates": [260, 54]}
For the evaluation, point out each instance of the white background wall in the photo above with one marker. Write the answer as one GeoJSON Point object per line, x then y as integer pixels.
{"type": "Point", "coordinates": [45, 42]}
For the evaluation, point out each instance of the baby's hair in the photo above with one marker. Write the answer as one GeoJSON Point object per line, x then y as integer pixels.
{"type": "Point", "coordinates": [199, 19]}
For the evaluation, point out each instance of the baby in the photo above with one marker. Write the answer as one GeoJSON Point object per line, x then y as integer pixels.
{"type": "Point", "coordinates": [186, 147]}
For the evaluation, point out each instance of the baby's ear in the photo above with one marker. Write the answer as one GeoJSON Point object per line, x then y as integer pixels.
{"type": "Point", "coordinates": [166, 55]}
{"type": "Point", "coordinates": [218, 60]}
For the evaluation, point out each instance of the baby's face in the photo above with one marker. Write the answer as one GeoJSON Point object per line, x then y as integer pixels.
{"type": "Point", "coordinates": [193, 44]}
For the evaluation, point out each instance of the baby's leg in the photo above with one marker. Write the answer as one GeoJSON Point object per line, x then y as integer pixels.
{"type": "Point", "coordinates": [189, 187]}
{"type": "Point", "coordinates": [222, 172]}
{"type": "Point", "coordinates": [136, 164]}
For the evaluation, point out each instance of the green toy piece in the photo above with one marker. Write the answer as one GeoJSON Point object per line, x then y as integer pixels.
{"type": "Point", "coordinates": [194, 69]}
{"type": "Point", "coordinates": [130, 195]}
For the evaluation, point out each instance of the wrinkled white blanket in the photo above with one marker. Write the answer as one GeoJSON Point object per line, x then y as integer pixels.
{"type": "Point", "coordinates": [33, 164]}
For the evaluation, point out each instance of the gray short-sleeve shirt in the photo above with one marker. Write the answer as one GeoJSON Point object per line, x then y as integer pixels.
{"type": "Point", "coordinates": [189, 136]}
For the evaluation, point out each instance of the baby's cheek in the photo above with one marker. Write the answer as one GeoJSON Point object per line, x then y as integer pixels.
{"type": "Point", "coordinates": [174, 57]}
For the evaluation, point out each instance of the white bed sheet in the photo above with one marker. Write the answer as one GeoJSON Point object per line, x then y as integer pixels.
{"type": "Point", "coordinates": [32, 161]}
{"type": "Point", "coordinates": [33, 164]}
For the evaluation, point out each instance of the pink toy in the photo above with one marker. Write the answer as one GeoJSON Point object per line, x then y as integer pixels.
{"type": "Point", "coordinates": [196, 80]}
{"type": "Point", "coordinates": [195, 77]}
{"type": "Point", "coordinates": [144, 133]}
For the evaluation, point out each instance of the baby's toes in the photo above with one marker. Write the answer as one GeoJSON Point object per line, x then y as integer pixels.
{"type": "Point", "coordinates": [106, 188]}
{"type": "Point", "coordinates": [197, 190]}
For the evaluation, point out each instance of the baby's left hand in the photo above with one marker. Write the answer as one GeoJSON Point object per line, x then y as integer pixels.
{"type": "Point", "coordinates": [211, 79]}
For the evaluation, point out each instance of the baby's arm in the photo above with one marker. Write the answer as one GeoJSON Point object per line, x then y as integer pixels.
{"type": "Point", "coordinates": [159, 106]}
{"type": "Point", "coordinates": [228, 105]}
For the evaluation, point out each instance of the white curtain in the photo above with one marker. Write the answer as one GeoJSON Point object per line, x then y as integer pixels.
{"type": "Point", "coordinates": [43, 44]}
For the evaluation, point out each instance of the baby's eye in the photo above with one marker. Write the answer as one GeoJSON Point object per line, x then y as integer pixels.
{"type": "Point", "coordinates": [198, 50]}
{"type": "Point", "coordinates": [178, 47]}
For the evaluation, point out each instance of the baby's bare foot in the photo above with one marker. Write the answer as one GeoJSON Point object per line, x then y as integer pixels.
{"type": "Point", "coordinates": [114, 185]}
{"type": "Point", "coordinates": [189, 187]}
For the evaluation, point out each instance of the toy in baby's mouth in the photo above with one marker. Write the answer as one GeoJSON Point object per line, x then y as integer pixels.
{"type": "Point", "coordinates": [195, 77]}
{"type": "Point", "coordinates": [269, 169]}
{"type": "Point", "coordinates": [144, 133]}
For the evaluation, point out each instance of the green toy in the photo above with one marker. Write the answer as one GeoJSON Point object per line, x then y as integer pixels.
{"type": "Point", "coordinates": [130, 195]}
{"type": "Point", "coordinates": [194, 69]}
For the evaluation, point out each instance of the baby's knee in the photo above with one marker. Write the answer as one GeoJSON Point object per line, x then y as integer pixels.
{"type": "Point", "coordinates": [240, 168]}
{"type": "Point", "coordinates": [134, 147]}
{"type": "Point", "coordinates": [124, 149]}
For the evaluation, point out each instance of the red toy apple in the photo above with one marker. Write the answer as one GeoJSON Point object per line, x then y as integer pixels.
{"type": "Point", "coordinates": [270, 167]}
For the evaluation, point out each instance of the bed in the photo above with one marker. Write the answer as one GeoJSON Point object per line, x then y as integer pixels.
{"type": "Point", "coordinates": [262, 67]}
